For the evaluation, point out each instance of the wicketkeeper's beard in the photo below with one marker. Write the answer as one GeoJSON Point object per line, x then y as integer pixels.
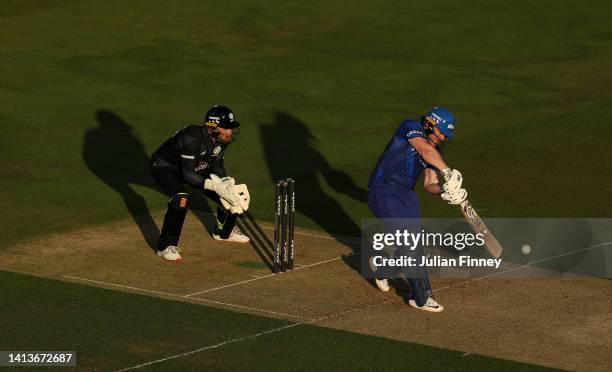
{"type": "Point", "coordinates": [225, 141]}
{"type": "Point", "coordinates": [213, 133]}
{"type": "Point", "coordinates": [233, 138]}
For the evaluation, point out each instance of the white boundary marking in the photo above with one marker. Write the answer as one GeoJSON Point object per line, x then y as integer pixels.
{"type": "Point", "coordinates": [182, 296]}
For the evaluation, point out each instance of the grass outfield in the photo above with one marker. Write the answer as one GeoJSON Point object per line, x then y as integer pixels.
{"type": "Point", "coordinates": [89, 89]}
{"type": "Point", "coordinates": [111, 330]}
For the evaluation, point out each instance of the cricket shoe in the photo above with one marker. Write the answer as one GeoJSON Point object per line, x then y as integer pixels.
{"type": "Point", "coordinates": [171, 253]}
{"type": "Point", "coordinates": [382, 284]}
{"type": "Point", "coordinates": [236, 236]}
{"type": "Point", "coordinates": [430, 305]}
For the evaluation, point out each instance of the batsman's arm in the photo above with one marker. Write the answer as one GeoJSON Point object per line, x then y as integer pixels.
{"type": "Point", "coordinates": [430, 182]}
{"type": "Point", "coordinates": [428, 152]}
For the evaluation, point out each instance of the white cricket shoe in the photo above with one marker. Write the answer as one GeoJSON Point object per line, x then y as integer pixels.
{"type": "Point", "coordinates": [236, 236]}
{"type": "Point", "coordinates": [431, 305]}
{"type": "Point", "coordinates": [382, 284]}
{"type": "Point", "coordinates": [171, 253]}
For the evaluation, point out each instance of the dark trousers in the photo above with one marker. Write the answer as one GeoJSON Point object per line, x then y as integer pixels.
{"type": "Point", "coordinates": [170, 179]}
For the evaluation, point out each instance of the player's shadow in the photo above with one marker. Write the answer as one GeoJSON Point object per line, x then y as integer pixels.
{"type": "Point", "coordinates": [114, 153]}
{"type": "Point", "coordinates": [290, 153]}
{"type": "Point", "coordinates": [259, 240]}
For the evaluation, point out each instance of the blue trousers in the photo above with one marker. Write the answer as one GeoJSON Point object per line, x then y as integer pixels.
{"type": "Point", "coordinates": [394, 202]}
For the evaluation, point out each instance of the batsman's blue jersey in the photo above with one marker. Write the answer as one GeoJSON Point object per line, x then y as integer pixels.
{"type": "Point", "coordinates": [400, 164]}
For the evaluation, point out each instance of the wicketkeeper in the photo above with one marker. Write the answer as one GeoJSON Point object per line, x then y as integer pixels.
{"type": "Point", "coordinates": [414, 148]}
{"type": "Point", "coordinates": [194, 155]}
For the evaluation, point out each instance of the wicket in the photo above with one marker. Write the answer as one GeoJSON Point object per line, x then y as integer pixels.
{"type": "Point", "coordinates": [284, 212]}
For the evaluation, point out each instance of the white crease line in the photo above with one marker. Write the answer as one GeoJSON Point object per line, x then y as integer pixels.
{"type": "Point", "coordinates": [526, 265]}
{"type": "Point", "coordinates": [184, 297]}
{"type": "Point", "coordinates": [266, 276]}
{"type": "Point", "coordinates": [229, 285]}
{"type": "Point", "coordinates": [232, 341]}
{"type": "Point", "coordinates": [570, 253]}
{"type": "Point", "coordinates": [312, 321]}
{"type": "Point", "coordinates": [354, 254]}
{"type": "Point", "coordinates": [344, 239]}
{"type": "Point", "coordinates": [326, 261]}
{"type": "Point", "coordinates": [482, 277]}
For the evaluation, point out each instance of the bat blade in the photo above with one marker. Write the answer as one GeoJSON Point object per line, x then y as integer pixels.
{"type": "Point", "coordinates": [479, 227]}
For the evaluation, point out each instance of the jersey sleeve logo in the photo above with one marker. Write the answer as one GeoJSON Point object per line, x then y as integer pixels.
{"type": "Point", "coordinates": [415, 133]}
{"type": "Point", "coordinates": [217, 150]}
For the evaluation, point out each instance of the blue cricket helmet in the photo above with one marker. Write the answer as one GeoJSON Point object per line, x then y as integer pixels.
{"type": "Point", "coordinates": [442, 119]}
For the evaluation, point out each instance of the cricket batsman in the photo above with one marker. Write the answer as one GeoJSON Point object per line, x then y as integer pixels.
{"type": "Point", "coordinates": [415, 148]}
{"type": "Point", "coordinates": [194, 156]}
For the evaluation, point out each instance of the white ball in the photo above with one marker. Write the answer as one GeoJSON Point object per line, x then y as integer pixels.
{"type": "Point", "coordinates": [526, 249]}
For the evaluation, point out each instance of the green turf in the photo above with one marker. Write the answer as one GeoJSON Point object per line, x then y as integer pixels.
{"type": "Point", "coordinates": [89, 89]}
{"type": "Point", "coordinates": [111, 330]}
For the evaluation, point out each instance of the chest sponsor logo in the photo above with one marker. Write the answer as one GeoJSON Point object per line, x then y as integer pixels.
{"type": "Point", "coordinates": [217, 150]}
{"type": "Point", "coordinates": [201, 166]}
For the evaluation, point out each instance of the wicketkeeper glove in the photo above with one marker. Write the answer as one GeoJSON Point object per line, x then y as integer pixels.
{"type": "Point", "coordinates": [242, 195]}
{"type": "Point", "coordinates": [224, 187]}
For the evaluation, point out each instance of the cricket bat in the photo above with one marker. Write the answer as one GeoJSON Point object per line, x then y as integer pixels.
{"type": "Point", "coordinates": [476, 223]}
